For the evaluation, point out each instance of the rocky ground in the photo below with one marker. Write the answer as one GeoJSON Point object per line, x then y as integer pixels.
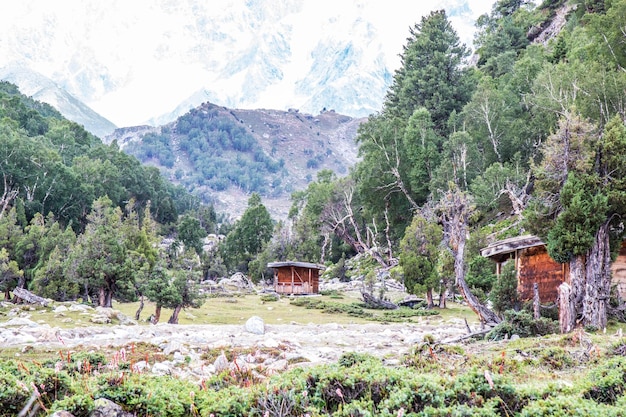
{"type": "Point", "coordinates": [299, 344]}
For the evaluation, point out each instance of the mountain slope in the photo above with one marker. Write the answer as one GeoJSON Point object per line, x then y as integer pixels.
{"type": "Point", "coordinates": [41, 88]}
{"type": "Point", "coordinates": [223, 155]}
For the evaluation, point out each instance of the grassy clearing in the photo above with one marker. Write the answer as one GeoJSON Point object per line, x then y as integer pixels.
{"type": "Point", "coordinates": [237, 308]}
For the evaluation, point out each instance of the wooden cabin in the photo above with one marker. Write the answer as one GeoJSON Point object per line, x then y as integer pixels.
{"type": "Point", "coordinates": [533, 264]}
{"type": "Point", "coordinates": [296, 277]}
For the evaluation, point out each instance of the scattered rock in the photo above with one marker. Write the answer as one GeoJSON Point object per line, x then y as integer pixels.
{"type": "Point", "coordinates": [269, 343]}
{"type": "Point", "coordinates": [161, 369]}
{"type": "Point", "coordinates": [278, 366]}
{"type": "Point", "coordinates": [60, 309]}
{"type": "Point", "coordinates": [98, 319]}
{"type": "Point", "coordinates": [80, 307]}
{"type": "Point", "coordinates": [125, 320]}
{"type": "Point", "coordinates": [221, 363]}
{"type": "Point", "coordinates": [62, 413]}
{"type": "Point", "coordinates": [173, 346]}
{"type": "Point", "coordinates": [255, 325]}
{"type": "Point", "coordinates": [107, 408]}
{"type": "Point", "coordinates": [19, 322]}
{"type": "Point", "coordinates": [140, 366]}
{"type": "Point", "coordinates": [179, 357]}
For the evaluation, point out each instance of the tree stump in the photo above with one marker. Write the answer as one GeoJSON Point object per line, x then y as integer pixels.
{"type": "Point", "coordinates": [536, 302]}
{"type": "Point", "coordinates": [567, 312]}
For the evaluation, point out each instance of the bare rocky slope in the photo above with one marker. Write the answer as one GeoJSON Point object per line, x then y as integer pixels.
{"type": "Point", "coordinates": [297, 138]}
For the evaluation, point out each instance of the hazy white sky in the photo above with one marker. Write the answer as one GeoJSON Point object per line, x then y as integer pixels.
{"type": "Point", "coordinates": [111, 54]}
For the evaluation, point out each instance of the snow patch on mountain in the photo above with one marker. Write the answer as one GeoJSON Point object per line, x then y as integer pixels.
{"type": "Point", "coordinates": [41, 88]}
{"type": "Point", "coordinates": [133, 61]}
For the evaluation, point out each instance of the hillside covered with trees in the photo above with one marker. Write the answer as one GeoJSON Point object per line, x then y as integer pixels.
{"type": "Point", "coordinates": [530, 139]}
{"type": "Point", "coordinates": [223, 155]}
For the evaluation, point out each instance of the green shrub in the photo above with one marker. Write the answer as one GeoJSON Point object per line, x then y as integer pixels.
{"type": "Point", "coordinates": [504, 295]}
{"type": "Point", "coordinates": [606, 383]}
{"type": "Point", "coordinates": [13, 394]}
{"type": "Point", "coordinates": [473, 389]}
{"type": "Point", "coordinates": [567, 406]}
{"type": "Point", "coordinates": [555, 358]}
{"type": "Point", "coordinates": [522, 323]}
{"type": "Point", "coordinates": [85, 362]}
{"type": "Point", "coordinates": [80, 405]}
{"type": "Point", "coordinates": [270, 297]}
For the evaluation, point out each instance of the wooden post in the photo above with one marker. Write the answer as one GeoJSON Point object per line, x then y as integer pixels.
{"type": "Point", "coordinates": [536, 302]}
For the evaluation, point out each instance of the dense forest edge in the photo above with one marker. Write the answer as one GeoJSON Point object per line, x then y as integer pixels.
{"type": "Point", "coordinates": [526, 136]}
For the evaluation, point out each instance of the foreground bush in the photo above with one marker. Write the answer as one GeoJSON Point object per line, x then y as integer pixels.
{"type": "Point", "coordinates": [357, 385]}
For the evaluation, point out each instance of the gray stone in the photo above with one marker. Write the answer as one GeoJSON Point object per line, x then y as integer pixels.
{"type": "Point", "coordinates": [80, 307]}
{"type": "Point", "coordinates": [107, 408]}
{"type": "Point", "coordinates": [60, 309]}
{"type": "Point", "coordinates": [179, 357]}
{"type": "Point", "coordinates": [62, 413]}
{"type": "Point", "coordinates": [174, 346]}
{"type": "Point", "coordinates": [278, 366]}
{"type": "Point", "coordinates": [255, 325]}
{"type": "Point", "coordinates": [98, 319]}
{"type": "Point", "coordinates": [514, 337]}
{"type": "Point", "coordinates": [221, 363]}
{"type": "Point", "coordinates": [140, 366]}
{"type": "Point", "coordinates": [161, 369]}
{"type": "Point", "coordinates": [125, 320]}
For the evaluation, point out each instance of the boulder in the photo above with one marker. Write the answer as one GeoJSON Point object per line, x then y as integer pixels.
{"type": "Point", "coordinates": [255, 325]}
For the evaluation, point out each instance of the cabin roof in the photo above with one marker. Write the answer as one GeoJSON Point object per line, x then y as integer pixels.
{"type": "Point", "coordinates": [511, 245]}
{"type": "Point", "coordinates": [296, 264]}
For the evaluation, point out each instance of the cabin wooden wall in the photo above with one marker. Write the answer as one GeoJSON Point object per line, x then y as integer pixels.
{"type": "Point", "coordinates": [619, 272]}
{"type": "Point", "coordinates": [305, 280]}
{"type": "Point", "coordinates": [535, 265]}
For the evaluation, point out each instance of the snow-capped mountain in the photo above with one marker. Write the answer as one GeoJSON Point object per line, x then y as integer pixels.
{"type": "Point", "coordinates": [150, 60]}
{"type": "Point", "coordinates": [44, 89]}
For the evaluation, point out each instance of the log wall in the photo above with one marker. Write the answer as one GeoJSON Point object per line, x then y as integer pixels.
{"type": "Point", "coordinates": [296, 280]}
{"type": "Point", "coordinates": [534, 265]}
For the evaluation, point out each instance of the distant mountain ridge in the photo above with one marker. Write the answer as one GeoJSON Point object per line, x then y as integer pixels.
{"type": "Point", "coordinates": [41, 88]}
{"type": "Point", "coordinates": [278, 152]}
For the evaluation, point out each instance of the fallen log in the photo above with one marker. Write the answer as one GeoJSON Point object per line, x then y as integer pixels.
{"type": "Point", "coordinates": [29, 297]}
{"type": "Point", "coordinates": [467, 336]}
{"type": "Point", "coordinates": [377, 303]}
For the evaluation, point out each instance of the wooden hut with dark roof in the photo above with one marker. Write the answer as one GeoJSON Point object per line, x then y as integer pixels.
{"type": "Point", "coordinates": [534, 265]}
{"type": "Point", "coordinates": [296, 277]}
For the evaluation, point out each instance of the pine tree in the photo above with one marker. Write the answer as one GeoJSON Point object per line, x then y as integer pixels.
{"type": "Point", "coordinates": [419, 251]}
